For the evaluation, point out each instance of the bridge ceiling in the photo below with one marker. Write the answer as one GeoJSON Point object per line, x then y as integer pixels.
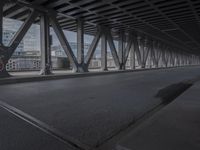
{"type": "Point", "coordinates": [174, 21]}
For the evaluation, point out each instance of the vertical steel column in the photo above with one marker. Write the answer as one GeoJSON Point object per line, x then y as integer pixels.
{"type": "Point", "coordinates": [64, 43]}
{"type": "Point", "coordinates": [121, 50]}
{"type": "Point", "coordinates": [165, 56]}
{"type": "Point", "coordinates": [144, 50]}
{"type": "Point", "coordinates": [3, 50]}
{"type": "Point", "coordinates": [174, 59]}
{"type": "Point", "coordinates": [155, 54]}
{"type": "Point", "coordinates": [132, 59]}
{"type": "Point", "coordinates": [1, 21]}
{"type": "Point", "coordinates": [45, 45]}
{"type": "Point", "coordinates": [141, 50]}
{"type": "Point", "coordinates": [80, 41]}
{"type": "Point", "coordinates": [136, 48]}
{"type": "Point", "coordinates": [151, 61]}
{"type": "Point", "coordinates": [104, 51]}
{"type": "Point", "coordinates": [178, 59]}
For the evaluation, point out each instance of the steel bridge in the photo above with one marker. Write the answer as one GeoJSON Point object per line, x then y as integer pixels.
{"type": "Point", "coordinates": [125, 109]}
{"type": "Point", "coordinates": [162, 31]}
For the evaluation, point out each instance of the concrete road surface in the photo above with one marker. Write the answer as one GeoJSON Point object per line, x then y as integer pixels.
{"type": "Point", "coordinates": [88, 111]}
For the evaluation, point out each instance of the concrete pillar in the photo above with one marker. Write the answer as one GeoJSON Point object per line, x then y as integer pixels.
{"type": "Point", "coordinates": [80, 41]}
{"type": "Point", "coordinates": [104, 52]}
{"type": "Point", "coordinates": [45, 45]}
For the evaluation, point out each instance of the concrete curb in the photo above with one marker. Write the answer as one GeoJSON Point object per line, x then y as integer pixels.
{"type": "Point", "coordinates": [13, 80]}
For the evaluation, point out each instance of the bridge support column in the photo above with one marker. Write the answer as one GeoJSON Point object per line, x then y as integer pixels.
{"type": "Point", "coordinates": [144, 50]}
{"type": "Point", "coordinates": [3, 61]}
{"type": "Point", "coordinates": [121, 50]}
{"type": "Point", "coordinates": [80, 41]}
{"type": "Point", "coordinates": [132, 59]}
{"type": "Point", "coordinates": [151, 54]}
{"type": "Point", "coordinates": [82, 67]}
{"type": "Point", "coordinates": [1, 21]}
{"type": "Point", "coordinates": [45, 45]}
{"type": "Point", "coordinates": [3, 54]}
{"type": "Point", "coordinates": [104, 51]}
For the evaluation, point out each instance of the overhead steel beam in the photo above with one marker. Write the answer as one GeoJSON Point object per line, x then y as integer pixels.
{"type": "Point", "coordinates": [171, 21]}
{"type": "Point", "coordinates": [124, 11]}
{"type": "Point", "coordinates": [34, 5]}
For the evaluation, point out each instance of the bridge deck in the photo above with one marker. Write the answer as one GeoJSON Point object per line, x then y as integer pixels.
{"type": "Point", "coordinates": [86, 111]}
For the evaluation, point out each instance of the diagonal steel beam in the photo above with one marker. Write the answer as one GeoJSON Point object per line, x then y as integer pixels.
{"type": "Point", "coordinates": [21, 33]}
{"type": "Point", "coordinates": [147, 49]}
{"type": "Point", "coordinates": [136, 48]}
{"type": "Point", "coordinates": [128, 48]}
{"type": "Point", "coordinates": [92, 47]}
{"type": "Point", "coordinates": [63, 41]}
{"type": "Point", "coordinates": [113, 49]}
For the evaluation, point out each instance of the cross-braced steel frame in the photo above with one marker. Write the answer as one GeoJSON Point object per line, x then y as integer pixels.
{"type": "Point", "coordinates": [139, 48]}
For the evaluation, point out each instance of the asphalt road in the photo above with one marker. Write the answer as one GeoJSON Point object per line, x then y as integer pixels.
{"type": "Point", "coordinates": [91, 110]}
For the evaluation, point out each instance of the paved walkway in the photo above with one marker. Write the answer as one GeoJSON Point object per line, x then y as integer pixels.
{"type": "Point", "coordinates": [86, 111]}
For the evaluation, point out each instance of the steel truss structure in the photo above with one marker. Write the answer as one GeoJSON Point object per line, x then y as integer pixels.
{"type": "Point", "coordinates": [140, 47]}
